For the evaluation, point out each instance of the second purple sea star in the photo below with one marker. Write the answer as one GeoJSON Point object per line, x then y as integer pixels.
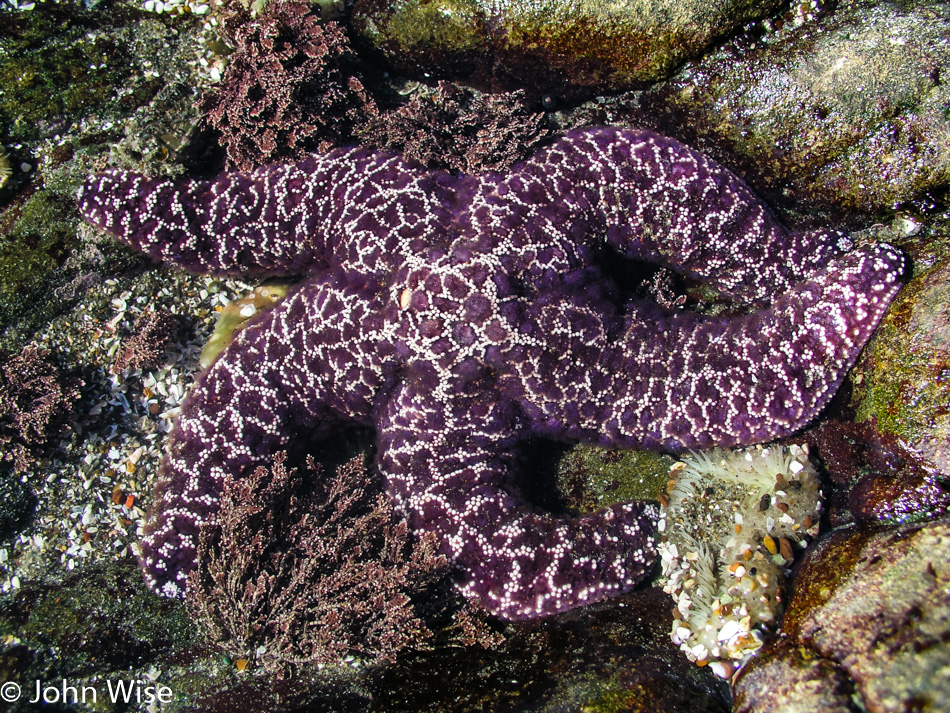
{"type": "Point", "coordinates": [461, 315]}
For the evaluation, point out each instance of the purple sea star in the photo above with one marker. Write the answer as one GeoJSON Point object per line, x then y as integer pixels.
{"type": "Point", "coordinates": [461, 315]}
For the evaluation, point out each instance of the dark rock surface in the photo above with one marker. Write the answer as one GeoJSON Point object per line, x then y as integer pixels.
{"type": "Point", "coordinates": [605, 659]}
{"type": "Point", "coordinates": [868, 607]}
{"type": "Point", "coordinates": [17, 503]}
{"type": "Point", "coordinates": [96, 622]}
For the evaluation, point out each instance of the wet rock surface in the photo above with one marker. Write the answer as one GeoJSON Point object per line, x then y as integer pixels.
{"type": "Point", "coordinates": [17, 503]}
{"type": "Point", "coordinates": [868, 607]}
{"type": "Point", "coordinates": [843, 114]}
{"type": "Point", "coordinates": [614, 658]}
{"type": "Point", "coordinates": [873, 477]}
{"type": "Point", "coordinates": [78, 81]}
{"type": "Point", "coordinates": [793, 680]}
{"type": "Point", "coordinates": [570, 48]}
{"type": "Point", "coordinates": [94, 622]}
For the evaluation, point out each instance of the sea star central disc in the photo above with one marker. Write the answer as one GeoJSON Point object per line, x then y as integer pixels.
{"type": "Point", "coordinates": [460, 315]}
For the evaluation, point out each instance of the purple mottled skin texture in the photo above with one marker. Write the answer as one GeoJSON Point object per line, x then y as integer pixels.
{"type": "Point", "coordinates": [461, 315]}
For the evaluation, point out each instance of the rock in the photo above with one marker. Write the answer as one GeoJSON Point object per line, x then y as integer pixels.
{"type": "Point", "coordinates": [98, 620]}
{"type": "Point", "coordinates": [793, 681]}
{"type": "Point", "coordinates": [912, 494]}
{"type": "Point", "coordinates": [612, 657]}
{"type": "Point", "coordinates": [557, 46]}
{"type": "Point", "coordinates": [872, 476]}
{"type": "Point", "coordinates": [902, 380]}
{"type": "Point", "coordinates": [17, 505]}
{"type": "Point", "coordinates": [336, 690]}
{"type": "Point", "coordinates": [846, 113]}
{"type": "Point", "coordinates": [592, 477]}
{"type": "Point", "coordinates": [76, 77]}
{"type": "Point", "coordinates": [868, 606]}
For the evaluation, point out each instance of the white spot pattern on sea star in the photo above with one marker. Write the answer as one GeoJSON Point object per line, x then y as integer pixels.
{"type": "Point", "coordinates": [460, 315]}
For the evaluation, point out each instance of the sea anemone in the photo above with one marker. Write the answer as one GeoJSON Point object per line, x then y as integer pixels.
{"type": "Point", "coordinates": [732, 526]}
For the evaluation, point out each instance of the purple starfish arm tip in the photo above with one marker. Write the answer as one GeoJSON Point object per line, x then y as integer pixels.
{"type": "Point", "coordinates": [461, 315]}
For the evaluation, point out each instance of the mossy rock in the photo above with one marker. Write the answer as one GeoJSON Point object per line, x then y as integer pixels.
{"type": "Point", "coordinates": [844, 115]}
{"type": "Point", "coordinates": [902, 380]}
{"type": "Point", "coordinates": [61, 62]}
{"type": "Point", "coordinates": [866, 628]}
{"type": "Point", "coordinates": [17, 505]}
{"type": "Point", "coordinates": [566, 47]}
{"type": "Point", "coordinates": [591, 477]}
{"type": "Point", "coordinates": [32, 251]}
{"type": "Point", "coordinates": [98, 620]}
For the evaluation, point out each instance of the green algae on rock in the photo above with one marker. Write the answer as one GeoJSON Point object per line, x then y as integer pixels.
{"type": "Point", "coordinates": [593, 477]}
{"type": "Point", "coordinates": [62, 62]}
{"type": "Point", "coordinates": [6, 168]}
{"type": "Point", "coordinates": [417, 36]}
{"type": "Point", "coordinates": [75, 80]}
{"type": "Point", "coordinates": [903, 378]}
{"type": "Point", "coordinates": [552, 45]}
{"type": "Point", "coordinates": [37, 235]}
{"type": "Point", "coordinates": [97, 620]}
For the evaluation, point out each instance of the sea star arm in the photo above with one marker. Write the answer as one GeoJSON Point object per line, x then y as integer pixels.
{"type": "Point", "coordinates": [350, 206]}
{"type": "Point", "coordinates": [446, 457]}
{"type": "Point", "coordinates": [649, 198]}
{"type": "Point", "coordinates": [673, 380]}
{"type": "Point", "coordinates": [460, 314]}
{"type": "Point", "coordinates": [300, 367]}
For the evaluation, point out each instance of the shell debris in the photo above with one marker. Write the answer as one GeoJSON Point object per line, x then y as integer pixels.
{"type": "Point", "coordinates": [93, 493]}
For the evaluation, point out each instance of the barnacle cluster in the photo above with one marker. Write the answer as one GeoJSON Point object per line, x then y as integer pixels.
{"type": "Point", "coordinates": [732, 525]}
